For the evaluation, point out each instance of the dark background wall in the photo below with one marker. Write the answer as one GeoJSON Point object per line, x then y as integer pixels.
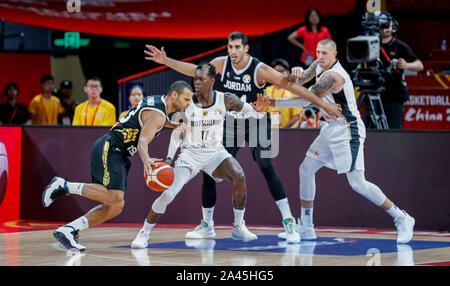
{"type": "Point", "coordinates": [410, 167]}
{"type": "Point", "coordinates": [112, 64]}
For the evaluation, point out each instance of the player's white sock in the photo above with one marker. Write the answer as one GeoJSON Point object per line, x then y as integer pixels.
{"type": "Point", "coordinates": [148, 226]}
{"type": "Point", "coordinates": [80, 223]}
{"type": "Point", "coordinates": [75, 188]}
{"type": "Point", "coordinates": [395, 212]}
{"type": "Point", "coordinates": [306, 216]}
{"type": "Point", "coordinates": [208, 214]}
{"type": "Point", "coordinates": [283, 206]}
{"type": "Point", "coordinates": [238, 216]}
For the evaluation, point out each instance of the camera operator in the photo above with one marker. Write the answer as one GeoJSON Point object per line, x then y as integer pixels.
{"type": "Point", "coordinates": [396, 57]}
{"type": "Point", "coordinates": [311, 117]}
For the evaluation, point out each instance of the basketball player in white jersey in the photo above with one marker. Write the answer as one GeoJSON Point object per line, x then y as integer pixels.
{"type": "Point", "coordinates": [202, 150]}
{"type": "Point", "coordinates": [340, 143]}
{"type": "Point", "coordinates": [244, 76]}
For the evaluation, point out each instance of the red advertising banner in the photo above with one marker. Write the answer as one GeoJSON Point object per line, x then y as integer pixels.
{"type": "Point", "coordinates": [13, 69]}
{"type": "Point", "coordinates": [169, 19]}
{"type": "Point", "coordinates": [427, 109]}
{"type": "Point", "coordinates": [10, 165]}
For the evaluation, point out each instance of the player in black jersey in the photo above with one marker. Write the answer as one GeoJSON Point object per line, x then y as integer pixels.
{"type": "Point", "coordinates": [246, 76]}
{"type": "Point", "coordinates": [110, 162]}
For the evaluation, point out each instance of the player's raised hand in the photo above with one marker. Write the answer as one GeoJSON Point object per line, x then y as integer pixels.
{"type": "Point", "coordinates": [333, 109]}
{"type": "Point", "coordinates": [148, 165]}
{"type": "Point", "coordinates": [262, 102]}
{"type": "Point", "coordinates": [296, 73]}
{"type": "Point", "coordinates": [156, 55]}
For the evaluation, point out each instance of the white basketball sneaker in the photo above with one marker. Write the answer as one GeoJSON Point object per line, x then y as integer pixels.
{"type": "Point", "coordinates": [290, 233]}
{"type": "Point", "coordinates": [68, 237]}
{"type": "Point", "coordinates": [141, 240]}
{"type": "Point", "coordinates": [306, 232]}
{"type": "Point", "coordinates": [204, 230]}
{"type": "Point", "coordinates": [405, 227]}
{"type": "Point", "coordinates": [56, 188]}
{"type": "Point", "coordinates": [241, 232]}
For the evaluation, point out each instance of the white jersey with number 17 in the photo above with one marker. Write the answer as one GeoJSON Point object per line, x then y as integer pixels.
{"type": "Point", "coordinates": [205, 123]}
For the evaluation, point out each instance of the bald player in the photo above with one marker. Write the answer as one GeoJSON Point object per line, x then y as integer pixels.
{"type": "Point", "coordinates": [340, 143]}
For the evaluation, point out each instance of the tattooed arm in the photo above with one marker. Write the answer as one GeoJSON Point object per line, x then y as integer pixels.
{"type": "Point", "coordinates": [232, 102]}
{"type": "Point", "coordinates": [268, 74]}
{"type": "Point", "coordinates": [301, 76]}
{"type": "Point", "coordinates": [330, 81]}
{"type": "Point", "coordinates": [327, 82]}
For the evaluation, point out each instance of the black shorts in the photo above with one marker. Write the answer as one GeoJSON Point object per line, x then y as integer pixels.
{"type": "Point", "coordinates": [257, 140]}
{"type": "Point", "coordinates": [109, 165]}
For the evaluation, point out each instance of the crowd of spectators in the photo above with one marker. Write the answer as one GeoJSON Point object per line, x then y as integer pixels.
{"type": "Point", "coordinates": [55, 105]}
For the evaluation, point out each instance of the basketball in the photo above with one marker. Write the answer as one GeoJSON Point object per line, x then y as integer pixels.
{"type": "Point", "coordinates": [161, 177]}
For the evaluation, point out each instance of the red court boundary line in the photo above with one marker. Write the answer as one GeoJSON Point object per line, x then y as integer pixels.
{"type": "Point", "coordinates": [122, 80]}
{"type": "Point", "coordinates": [437, 263]}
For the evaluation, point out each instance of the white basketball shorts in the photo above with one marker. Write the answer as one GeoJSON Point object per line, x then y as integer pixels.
{"type": "Point", "coordinates": [340, 146]}
{"type": "Point", "coordinates": [202, 159]}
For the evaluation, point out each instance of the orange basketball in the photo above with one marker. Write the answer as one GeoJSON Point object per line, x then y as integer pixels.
{"type": "Point", "coordinates": [161, 177]}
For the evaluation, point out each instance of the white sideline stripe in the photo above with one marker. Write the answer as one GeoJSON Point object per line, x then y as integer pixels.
{"type": "Point", "coordinates": [127, 233]}
{"type": "Point", "coordinates": [56, 245]}
{"type": "Point", "coordinates": [423, 233]}
{"type": "Point", "coordinates": [342, 230]}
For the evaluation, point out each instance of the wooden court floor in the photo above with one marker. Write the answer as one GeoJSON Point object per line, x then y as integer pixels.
{"type": "Point", "coordinates": [31, 243]}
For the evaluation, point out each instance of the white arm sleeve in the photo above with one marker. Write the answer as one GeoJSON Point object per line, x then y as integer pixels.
{"type": "Point", "coordinates": [175, 141]}
{"type": "Point", "coordinates": [248, 109]}
{"type": "Point", "coordinates": [291, 102]}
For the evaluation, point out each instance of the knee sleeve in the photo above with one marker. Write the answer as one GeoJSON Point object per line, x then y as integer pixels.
{"type": "Point", "coordinates": [265, 164]}
{"type": "Point", "coordinates": [208, 191]}
{"type": "Point", "coordinates": [307, 173]}
{"type": "Point", "coordinates": [368, 190]}
{"type": "Point", "coordinates": [182, 176]}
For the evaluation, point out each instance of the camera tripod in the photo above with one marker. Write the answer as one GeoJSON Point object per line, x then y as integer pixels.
{"type": "Point", "coordinates": [375, 110]}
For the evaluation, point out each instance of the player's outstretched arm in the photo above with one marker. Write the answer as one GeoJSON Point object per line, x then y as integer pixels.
{"type": "Point", "coordinates": [232, 102]}
{"type": "Point", "coordinates": [326, 83]}
{"type": "Point", "coordinates": [268, 74]}
{"type": "Point", "coordinates": [300, 76]}
{"type": "Point", "coordinates": [160, 57]}
{"type": "Point", "coordinates": [152, 121]}
{"type": "Point", "coordinates": [291, 102]}
{"type": "Point", "coordinates": [176, 138]}
{"type": "Point", "coordinates": [171, 124]}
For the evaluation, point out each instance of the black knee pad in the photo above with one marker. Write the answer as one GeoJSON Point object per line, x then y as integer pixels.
{"type": "Point", "coordinates": [208, 191]}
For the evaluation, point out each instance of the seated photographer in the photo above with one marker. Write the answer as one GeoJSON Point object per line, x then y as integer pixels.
{"type": "Point", "coordinates": [310, 117]}
{"type": "Point", "coordinates": [396, 57]}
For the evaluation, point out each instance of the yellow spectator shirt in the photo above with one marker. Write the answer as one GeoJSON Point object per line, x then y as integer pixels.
{"type": "Point", "coordinates": [123, 114]}
{"type": "Point", "coordinates": [45, 110]}
{"type": "Point", "coordinates": [103, 113]}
